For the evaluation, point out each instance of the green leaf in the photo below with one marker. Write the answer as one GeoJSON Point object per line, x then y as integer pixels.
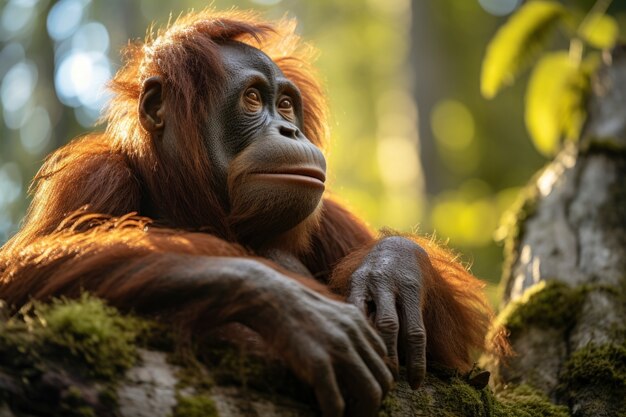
{"type": "Point", "coordinates": [555, 101]}
{"type": "Point", "coordinates": [517, 42]}
{"type": "Point", "coordinates": [600, 30]}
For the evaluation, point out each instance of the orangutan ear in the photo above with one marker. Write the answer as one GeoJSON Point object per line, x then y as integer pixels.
{"type": "Point", "coordinates": [151, 106]}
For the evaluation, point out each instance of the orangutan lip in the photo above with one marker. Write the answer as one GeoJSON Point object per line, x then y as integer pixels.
{"type": "Point", "coordinates": [304, 172]}
{"type": "Point", "coordinates": [311, 176]}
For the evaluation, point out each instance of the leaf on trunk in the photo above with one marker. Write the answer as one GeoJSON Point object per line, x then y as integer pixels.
{"type": "Point", "coordinates": [600, 31]}
{"type": "Point", "coordinates": [555, 101]}
{"type": "Point", "coordinates": [517, 43]}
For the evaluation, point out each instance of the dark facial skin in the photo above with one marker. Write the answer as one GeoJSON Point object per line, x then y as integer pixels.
{"type": "Point", "coordinates": [272, 174]}
{"type": "Point", "coordinates": [274, 177]}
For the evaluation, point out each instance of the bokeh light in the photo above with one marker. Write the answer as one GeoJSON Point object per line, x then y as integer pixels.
{"type": "Point", "coordinates": [452, 124]}
{"type": "Point", "coordinates": [500, 7]}
{"type": "Point", "coordinates": [64, 18]}
{"type": "Point", "coordinates": [92, 36]}
{"type": "Point", "coordinates": [17, 14]}
{"type": "Point", "coordinates": [18, 85]}
{"type": "Point", "coordinates": [454, 129]}
{"type": "Point", "coordinates": [468, 215]}
{"type": "Point", "coordinates": [81, 55]}
{"type": "Point", "coordinates": [397, 161]}
{"type": "Point", "coordinates": [16, 90]}
{"type": "Point", "coordinates": [80, 78]}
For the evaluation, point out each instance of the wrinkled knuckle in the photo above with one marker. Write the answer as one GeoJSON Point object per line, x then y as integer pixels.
{"type": "Point", "coordinates": [416, 337]}
{"type": "Point", "coordinates": [387, 325]}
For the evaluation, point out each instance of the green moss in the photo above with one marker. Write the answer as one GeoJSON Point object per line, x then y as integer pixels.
{"type": "Point", "coordinates": [390, 406]}
{"type": "Point", "coordinates": [193, 375]}
{"type": "Point", "coordinates": [229, 365]}
{"type": "Point", "coordinates": [218, 362]}
{"type": "Point", "coordinates": [195, 406]}
{"type": "Point", "coordinates": [83, 344]}
{"type": "Point", "coordinates": [83, 333]}
{"type": "Point", "coordinates": [458, 398]}
{"type": "Point", "coordinates": [192, 378]}
{"type": "Point", "coordinates": [597, 372]}
{"type": "Point", "coordinates": [446, 393]}
{"type": "Point", "coordinates": [595, 365]}
{"type": "Point", "coordinates": [524, 401]}
{"type": "Point", "coordinates": [92, 332]}
{"type": "Point", "coordinates": [451, 395]}
{"type": "Point", "coordinates": [549, 304]}
{"type": "Point", "coordinates": [410, 402]}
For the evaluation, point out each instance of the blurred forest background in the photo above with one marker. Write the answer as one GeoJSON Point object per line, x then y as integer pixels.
{"type": "Point", "coordinates": [415, 145]}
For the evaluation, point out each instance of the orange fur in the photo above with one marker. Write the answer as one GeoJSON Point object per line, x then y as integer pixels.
{"type": "Point", "coordinates": [113, 257]}
{"type": "Point", "coordinates": [81, 232]}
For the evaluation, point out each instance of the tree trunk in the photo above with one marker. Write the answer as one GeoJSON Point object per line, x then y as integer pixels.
{"type": "Point", "coordinates": [565, 276]}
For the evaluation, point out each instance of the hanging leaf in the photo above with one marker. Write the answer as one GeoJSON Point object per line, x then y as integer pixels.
{"type": "Point", "coordinates": [600, 30]}
{"type": "Point", "coordinates": [575, 103]}
{"type": "Point", "coordinates": [555, 101]}
{"type": "Point", "coordinates": [517, 43]}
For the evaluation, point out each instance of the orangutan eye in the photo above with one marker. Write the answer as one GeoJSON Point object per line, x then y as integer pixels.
{"type": "Point", "coordinates": [286, 109]}
{"type": "Point", "coordinates": [285, 104]}
{"type": "Point", "coordinates": [252, 100]}
{"type": "Point", "coordinates": [252, 94]}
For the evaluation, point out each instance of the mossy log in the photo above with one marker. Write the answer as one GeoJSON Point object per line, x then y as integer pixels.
{"type": "Point", "coordinates": [565, 276]}
{"type": "Point", "coordinates": [78, 358]}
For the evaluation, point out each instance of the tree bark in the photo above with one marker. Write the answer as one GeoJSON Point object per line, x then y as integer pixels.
{"type": "Point", "coordinates": [565, 276]}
